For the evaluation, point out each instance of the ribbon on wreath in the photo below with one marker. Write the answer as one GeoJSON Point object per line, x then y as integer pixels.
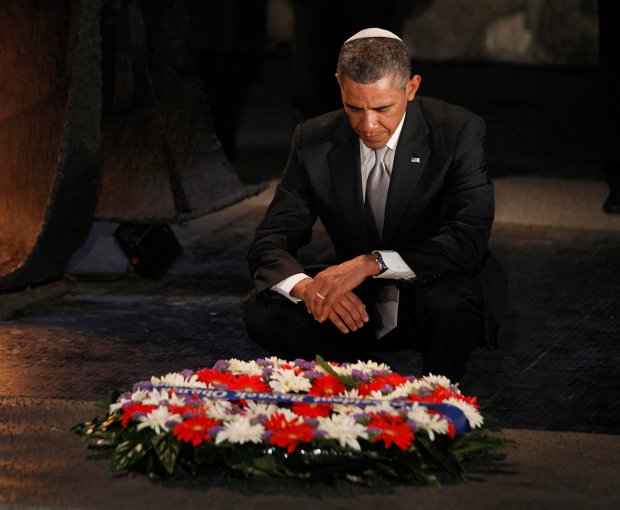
{"type": "Point", "coordinates": [452, 413]}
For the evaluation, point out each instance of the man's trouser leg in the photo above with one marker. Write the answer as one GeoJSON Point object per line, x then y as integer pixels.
{"type": "Point", "coordinates": [445, 322]}
{"type": "Point", "coordinates": [287, 330]}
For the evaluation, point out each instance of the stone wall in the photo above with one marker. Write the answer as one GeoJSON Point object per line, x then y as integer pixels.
{"type": "Point", "coordinates": [524, 31]}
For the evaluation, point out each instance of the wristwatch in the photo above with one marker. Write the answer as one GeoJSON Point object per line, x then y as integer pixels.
{"type": "Point", "coordinates": [380, 262]}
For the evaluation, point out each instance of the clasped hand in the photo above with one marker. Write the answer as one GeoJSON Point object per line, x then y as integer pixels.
{"type": "Point", "coordinates": [329, 295]}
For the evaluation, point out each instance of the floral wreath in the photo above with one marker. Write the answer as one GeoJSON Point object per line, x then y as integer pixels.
{"type": "Point", "coordinates": [303, 419]}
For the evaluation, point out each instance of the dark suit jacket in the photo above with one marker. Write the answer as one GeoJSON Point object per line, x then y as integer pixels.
{"type": "Point", "coordinates": [439, 210]}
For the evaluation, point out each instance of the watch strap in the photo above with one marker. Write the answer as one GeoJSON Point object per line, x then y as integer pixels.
{"type": "Point", "coordinates": [380, 262]}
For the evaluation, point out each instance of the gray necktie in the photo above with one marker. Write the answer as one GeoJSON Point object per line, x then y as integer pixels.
{"type": "Point", "coordinates": [377, 186]}
{"type": "Point", "coordinates": [377, 189]}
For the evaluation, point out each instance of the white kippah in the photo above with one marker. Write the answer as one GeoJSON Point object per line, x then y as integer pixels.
{"type": "Point", "coordinates": [373, 32]}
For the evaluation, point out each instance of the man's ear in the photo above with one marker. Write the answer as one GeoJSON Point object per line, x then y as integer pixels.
{"type": "Point", "coordinates": [412, 86]}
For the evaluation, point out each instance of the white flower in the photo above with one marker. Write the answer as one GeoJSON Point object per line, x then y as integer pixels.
{"type": "Point", "coordinates": [158, 419]}
{"type": "Point", "coordinates": [240, 430]}
{"type": "Point", "coordinates": [431, 423]}
{"type": "Point", "coordinates": [237, 366]}
{"type": "Point", "coordinates": [437, 380]}
{"type": "Point", "coordinates": [346, 409]}
{"type": "Point", "coordinates": [344, 429]}
{"type": "Point", "coordinates": [377, 395]}
{"type": "Point", "coordinates": [403, 390]}
{"type": "Point", "coordinates": [286, 381]}
{"type": "Point", "coordinates": [352, 393]}
{"type": "Point", "coordinates": [156, 397]}
{"type": "Point", "coordinates": [176, 379]}
{"type": "Point", "coordinates": [172, 379]}
{"type": "Point", "coordinates": [384, 407]}
{"type": "Point", "coordinates": [288, 414]}
{"type": "Point", "coordinates": [340, 369]}
{"type": "Point", "coordinates": [256, 409]}
{"type": "Point", "coordinates": [369, 366]}
{"type": "Point", "coordinates": [118, 405]}
{"type": "Point", "coordinates": [277, 362]}
{"type": "Point", "coordinates": [417, 385]}
{"type": "Point", "coordinates": [136, 396]}
{"type": "Point", "coordinates": [218, 409]}
{"type": "Point", "coordinates": [139, 396]}
{"type": "Point", "coordinates": [472, 414]}
{"type": "Point", "coordinates": [194, 382]}
{"type": "Point", "coordinates": [344, 369]}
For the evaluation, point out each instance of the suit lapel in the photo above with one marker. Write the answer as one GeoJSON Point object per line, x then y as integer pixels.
{"type": "Point", "coordinates": [344, 164]}
{"type": "Point", "coordinates": [412, 154]}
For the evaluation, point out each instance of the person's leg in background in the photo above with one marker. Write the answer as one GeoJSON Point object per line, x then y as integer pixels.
{"type": "Point", "coordinates": [608, 50]}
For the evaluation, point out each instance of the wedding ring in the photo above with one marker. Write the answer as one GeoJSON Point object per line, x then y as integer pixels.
{"type": "Point", "coordinates": [320, 296]}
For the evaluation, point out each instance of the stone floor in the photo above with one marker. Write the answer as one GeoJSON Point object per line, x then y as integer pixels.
{"type": "Point", "coordinates": [557, 369]}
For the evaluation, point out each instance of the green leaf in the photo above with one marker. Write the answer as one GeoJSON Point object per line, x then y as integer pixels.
{"type": "Point", "coordinates": [347, 380]}
{"type": "Point", "coordinates": [80, 428]}
{"type": "Point", "coordinates": [127, 454]}
{"type": "Point", "coordinates": [167, 449]}
{"type": "Point", "coordinates": [477, 443]}
{"type": "Point", "coordinates": [206, 454]}
{"type": "Point", "coordinates": [267, 465]}
{"type": "Point", "coordinates": [110, 421]}
{"type": "Point", "coordinates": [103, 439]}
{"type": "Point", "coordinates": [441, 456]}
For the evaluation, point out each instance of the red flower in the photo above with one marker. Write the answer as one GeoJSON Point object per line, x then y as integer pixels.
{"type": "Point", "coordinates": [438, 395]}
{"type": "Point", "coordinates": [379, 382]}
{"type": "Point", "coordinates": [131, 409]}
{"type": "Point", "coordinates": [392, 430]}
{"type": "Point", "coordinates": [394, 379]}
{"type": "Point", "coordinates": [211, 376]}
{"type": "Point", "coordinates": [278, 421]}
{"type": "Point", "coordinates": [311, 410]}
{"type": "Point", "coordinates": [186, 409]}
{"type": "Point", "coordinates": [290, 433]}
{"type": "Point", "coordinates": [470, 400]}
{"type": "Point", "coordinates": [326, 386]}
{"type": "Point", "coordinates": [195, 430]}
{"type": "Point", "coordinates": [252, 383]}
{"type": "Point", "coordinates": [288, 366]}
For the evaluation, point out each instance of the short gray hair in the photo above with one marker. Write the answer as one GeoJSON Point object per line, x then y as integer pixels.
{"type": "Point", "coordinates": [369, 59]}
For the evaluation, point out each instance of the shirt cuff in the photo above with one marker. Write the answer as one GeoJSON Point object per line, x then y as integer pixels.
{"type": "Point", "coordinates": [397, 268]}
{"type": "Point", "coordinates": [285, 286]}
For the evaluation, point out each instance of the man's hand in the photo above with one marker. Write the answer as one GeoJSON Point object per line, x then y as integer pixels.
{"type": "Point", "coordinates": [321, 293]}
{"type": "Point", "coordinates": [347, 313]}
{"type": "Point", "coordinates": [335, 281]}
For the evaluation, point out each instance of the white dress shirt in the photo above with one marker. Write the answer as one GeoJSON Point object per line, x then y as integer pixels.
{"type": "Point", "coordinates": [397, 267]}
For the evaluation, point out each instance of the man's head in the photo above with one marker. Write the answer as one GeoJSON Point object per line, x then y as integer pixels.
{"type": "Point", "coordinates": [375, 83]}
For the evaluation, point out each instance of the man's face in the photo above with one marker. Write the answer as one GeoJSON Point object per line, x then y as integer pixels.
{"type": "Point", "coordinates": [375, 109]}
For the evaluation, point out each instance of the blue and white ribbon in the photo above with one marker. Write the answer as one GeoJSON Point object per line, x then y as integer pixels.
{"type": "Point", "coordinates": [453, 413]}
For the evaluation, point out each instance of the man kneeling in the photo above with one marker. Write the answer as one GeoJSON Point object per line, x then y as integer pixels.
{"type": "Point", "coordinates": [400, 184]}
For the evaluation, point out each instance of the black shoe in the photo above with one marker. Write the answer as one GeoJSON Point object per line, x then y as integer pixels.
{"type": "Point", "coordinates": [612, 204]}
